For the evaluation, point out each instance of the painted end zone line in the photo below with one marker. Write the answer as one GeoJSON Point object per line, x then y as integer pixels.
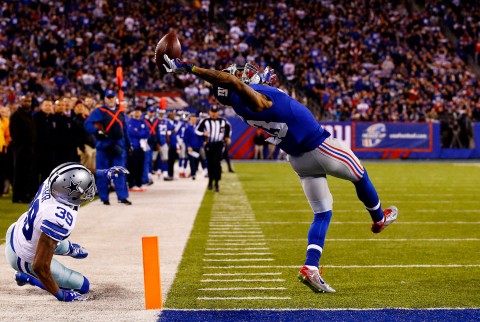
{"type": "Point", "coordinates": [387, 315]}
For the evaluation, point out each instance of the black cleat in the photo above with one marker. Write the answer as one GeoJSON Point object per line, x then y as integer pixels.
{"type": "Point", "coordinates": [106, 203]}
{"type": "Point", "coordinates": [125, 202]}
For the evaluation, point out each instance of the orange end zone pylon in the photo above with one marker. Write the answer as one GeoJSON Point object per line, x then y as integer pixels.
{"type": "Point", "coordinates": [119, 74]}
{"type": "Point", "coordinates": [151, 273]}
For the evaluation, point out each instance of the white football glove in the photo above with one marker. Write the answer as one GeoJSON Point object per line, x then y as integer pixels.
{"type": "Point", "coordinates": [176, 65]}
{"type": "Point", "coordinates": [115, 172]}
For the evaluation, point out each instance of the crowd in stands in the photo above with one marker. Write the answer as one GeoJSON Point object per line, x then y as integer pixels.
{"type": "Point", "coordinates": [370, 60]}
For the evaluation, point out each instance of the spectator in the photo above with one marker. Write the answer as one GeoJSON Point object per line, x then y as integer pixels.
{"type": "Point", "coordinates": [44, 148]}
{"type": "Point", "coordinates": [259, 144]}
{"type": "Point", "coordinates": [86, 146]}
{"type": "Point", "coordinates": [4, 142]}
{"type": "Point", "coordinates": [24, 136]}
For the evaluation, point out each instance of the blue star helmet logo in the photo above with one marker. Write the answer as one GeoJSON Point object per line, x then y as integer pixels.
{"type": "Point", "coordinates": [73, 187]}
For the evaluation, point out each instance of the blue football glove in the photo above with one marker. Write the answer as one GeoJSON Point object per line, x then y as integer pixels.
{"type": "Point", "coordinates": [177, 66]}
{"type": "Point", "coordinates": [69, 296]}
{"type": "Point", "coordinates": [115, 172]}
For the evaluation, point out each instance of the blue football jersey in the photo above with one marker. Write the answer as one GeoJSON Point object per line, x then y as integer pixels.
{"type": "Point", "coordinates": [291, 124]}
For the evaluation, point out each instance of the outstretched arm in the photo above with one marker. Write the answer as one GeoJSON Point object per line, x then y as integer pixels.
{"type": "Point", "coordinates": [255, 100]}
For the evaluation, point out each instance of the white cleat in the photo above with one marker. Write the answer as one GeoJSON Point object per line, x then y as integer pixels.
{"type": "Point", "coordinates": [389, 216]}
{"type": "Point", "coordinates": [312, 278]}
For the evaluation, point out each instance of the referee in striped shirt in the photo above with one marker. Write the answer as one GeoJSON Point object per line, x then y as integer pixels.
{"type": "Point", "coordinates": [216, 131]}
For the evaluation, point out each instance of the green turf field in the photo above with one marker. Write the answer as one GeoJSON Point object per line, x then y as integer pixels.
{"type": "Point", "coordinates": [249, 241]}
{"type": "Point", "coordinates": [9, 213]}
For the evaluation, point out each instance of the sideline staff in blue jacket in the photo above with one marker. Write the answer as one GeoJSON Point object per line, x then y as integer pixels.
{"type": "Point", "coordinates": [108, 125]}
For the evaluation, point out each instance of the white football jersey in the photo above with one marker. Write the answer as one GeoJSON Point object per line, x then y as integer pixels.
{"type": "Point", "coordinates": [46, 215]}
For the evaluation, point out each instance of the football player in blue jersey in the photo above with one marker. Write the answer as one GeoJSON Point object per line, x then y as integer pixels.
{"type": "Point", "coordinates": [313, 153]}
{"type": "Point", "coordinates": [162, 159]}
{"type": "Point", "coordinates": [43, 231]}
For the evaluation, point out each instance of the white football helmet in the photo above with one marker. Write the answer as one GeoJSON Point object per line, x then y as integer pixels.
{"type": "Point", "coordinates": [248, 74]}
{"type": "Point", "coordinates": [71, 183]}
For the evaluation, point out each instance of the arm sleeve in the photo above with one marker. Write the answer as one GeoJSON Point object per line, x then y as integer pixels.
{"type": "Point", "coordinates": [200, 128]}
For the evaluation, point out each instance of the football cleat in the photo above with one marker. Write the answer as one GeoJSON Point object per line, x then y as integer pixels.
{"type": "Point", "coordinates": [389, 216]}
{"type": "Point", "coordinates": [312, 278]}
{"type": "Point", "coordinates": [125, 202]}
{"type": "Point", "coordinates": [21, 278]}
{"type": "Point", "coordinates": [77, 251]}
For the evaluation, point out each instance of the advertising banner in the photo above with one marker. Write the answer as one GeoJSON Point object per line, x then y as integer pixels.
{"type": "Point", "coordinates": [371, 137]}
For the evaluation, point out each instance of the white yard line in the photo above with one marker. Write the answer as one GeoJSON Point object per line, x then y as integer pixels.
{"type": "Point", "coordinates": [239, 260]}
{"type": "Point", "coordinates": [366, 222]}
{"type": "Point", "coordinates": [241, 274]}
{"type": "Point", "coordinates": [243, 289]}
{"type": "Point", "coordinates": [246, 298]}
{"type": "Point", "coordinates": [236, 254]}
{"type": "Point", "coordinates": [246, 280]}
{"type": "Point", "coordinates": [347, 266]}
{"type": "Point", "coordinates": [386, 239]}
{"type": "Point", "coordinates": [245, 248]}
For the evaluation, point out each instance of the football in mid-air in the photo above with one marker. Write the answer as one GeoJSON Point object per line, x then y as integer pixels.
{"type": "Point", "coordinates": [169, 45]}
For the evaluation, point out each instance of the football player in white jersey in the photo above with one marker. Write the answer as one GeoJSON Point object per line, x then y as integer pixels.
{"type": "Point", "coordinates": [42, 232]}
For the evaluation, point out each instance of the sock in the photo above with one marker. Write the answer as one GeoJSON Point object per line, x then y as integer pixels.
{"type": "Point", "coordinates": [35, 282]}
{"type": "Point", "coordinates": [316, 237]}
{"type": "Point", "coordinates": [368, 195]}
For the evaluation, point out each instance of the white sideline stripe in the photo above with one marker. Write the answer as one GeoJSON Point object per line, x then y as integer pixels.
{"type": "Point", "coordinates": [239, 274]}
{"type": "Point", "coordinates": [243, 289]}
{"type": "Point", "coordinates": [249, 298]}
{"type": "Point", "coordinates": [275, 280]}
{"type": "Point", "coordinates": [386, 239]}
{"type": "Point", "coordinates": [365, 223]}
{"type": "Point", "coordinates": [352, 266]}
{"type": "Point", "coordinates": [240, 260]}
{"type": "Point", "coordinates": [245, 248]}
{"type": "Point", "coordinates": [235, 254]}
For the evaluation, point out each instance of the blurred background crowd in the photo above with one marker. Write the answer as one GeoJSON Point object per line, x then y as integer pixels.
{"type": "Point", "coordinates": [394, 61]}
